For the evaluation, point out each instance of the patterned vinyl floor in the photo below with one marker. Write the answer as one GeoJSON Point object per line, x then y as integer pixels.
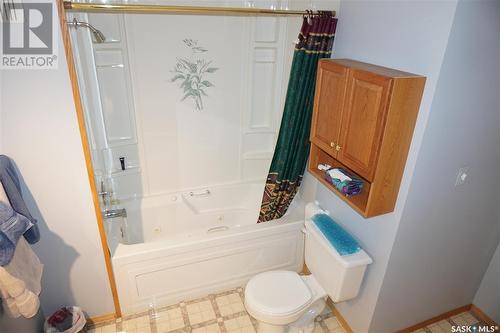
{"type": "Point", "coordinates": [217, 313]}
{"type": "Point", "coordinates": [225, 313]}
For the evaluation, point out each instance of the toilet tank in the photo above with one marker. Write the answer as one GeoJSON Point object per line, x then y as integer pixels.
{"type": "Point", "coordinates": [340, 276]}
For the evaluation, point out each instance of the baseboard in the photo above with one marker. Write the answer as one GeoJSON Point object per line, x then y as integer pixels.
{"type": "Point", "coordinates": [340, 319]}
{"type": "Point", "coordinates": [100, 319]}
{"type": "Point", "coordinates": [436, 319]}
{"type": "Point", "coordinates": [469, 307]}
{"type": "Point", "coordinates": [483, 316]}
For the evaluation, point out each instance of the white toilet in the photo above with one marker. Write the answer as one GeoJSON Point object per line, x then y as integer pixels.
{"type": "Point", "coordinates": [284, 301]}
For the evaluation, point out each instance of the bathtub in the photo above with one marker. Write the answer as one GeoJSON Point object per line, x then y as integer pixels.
{"type": "Point", "coordinates": [185, 245]}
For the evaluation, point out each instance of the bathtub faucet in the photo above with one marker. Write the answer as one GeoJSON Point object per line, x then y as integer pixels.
{"type": "Point", "coordinates": [105, 195]}
{"type": "Point", "coordinates": [112, 213]}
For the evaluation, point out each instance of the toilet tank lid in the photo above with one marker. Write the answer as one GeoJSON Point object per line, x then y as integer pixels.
{"type": "Point", "coordinates": [340, 239]}
{"type": "Point", "coordinates": [357, 259]}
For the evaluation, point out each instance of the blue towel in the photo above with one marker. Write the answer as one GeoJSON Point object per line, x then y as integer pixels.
{"type": "Point", "coordinates": [340, 239]}
{"type": "Point", "coordinates": [12, 187]}
{"type": "Point", "coordinates": [347, 187]}
{"type": "Point", "coordinates": [12, 227]}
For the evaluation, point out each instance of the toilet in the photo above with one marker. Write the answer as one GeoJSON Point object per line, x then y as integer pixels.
{"type": "Point", "coordinates": [284, 301]}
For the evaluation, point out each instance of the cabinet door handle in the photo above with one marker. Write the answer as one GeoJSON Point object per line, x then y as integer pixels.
{"type": "Point", "coordinates": [337, 148]}
{"type": "Point", "coordinates": [332, 144]}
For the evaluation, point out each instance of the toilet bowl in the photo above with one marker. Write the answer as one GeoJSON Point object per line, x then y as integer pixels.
{"type": "Point", "coordinates": [284, 301]}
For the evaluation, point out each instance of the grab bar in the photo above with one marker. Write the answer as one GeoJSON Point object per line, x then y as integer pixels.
{"type": "Point", "coordinates": [219, 228]}
{"type": "Point", "coordinates": [199, 194]}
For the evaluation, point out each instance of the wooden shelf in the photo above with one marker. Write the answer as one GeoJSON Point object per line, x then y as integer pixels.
{"type": "Point", "coordinates": [360, 201]}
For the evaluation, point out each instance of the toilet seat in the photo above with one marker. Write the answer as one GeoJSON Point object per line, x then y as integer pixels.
{"type": "Point", "coordinates": [277, 296]}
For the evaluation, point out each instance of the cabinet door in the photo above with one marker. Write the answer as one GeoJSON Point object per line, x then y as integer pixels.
{"type": "Point", "coordinates": [363, 121]}
{"type": "Point", "coordinates": [328, 104]}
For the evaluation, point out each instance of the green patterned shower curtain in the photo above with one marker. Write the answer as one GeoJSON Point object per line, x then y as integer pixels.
{"type": "Point", "coordinates": [292, 148]}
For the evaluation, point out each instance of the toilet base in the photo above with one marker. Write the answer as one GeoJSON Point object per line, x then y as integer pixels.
{"type": "Point", "coordinates": [305, 324]}
{"type": "Point", "coordinates": [263, 327]}
{"type": "Point", "coordinates": [268, 328]}
{"type": "Point", "coordinates": [307, 329]}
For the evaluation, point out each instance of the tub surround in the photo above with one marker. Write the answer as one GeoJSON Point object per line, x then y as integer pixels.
{"type": "Point", "coordinates": [152, 126]}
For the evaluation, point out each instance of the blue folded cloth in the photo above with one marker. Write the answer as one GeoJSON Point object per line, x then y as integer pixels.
{"type": "Point", "coordinates": [12, 227]}
{"type": "Point", "coordinates": [340, 239]}
{"type": "Point", "coordinates": [12, 187]}
{"type": "Point", "coordinates": [347, 187]}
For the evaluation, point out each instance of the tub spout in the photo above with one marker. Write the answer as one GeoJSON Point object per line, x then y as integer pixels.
{"type": "Point", "coordinates": [112, 213]}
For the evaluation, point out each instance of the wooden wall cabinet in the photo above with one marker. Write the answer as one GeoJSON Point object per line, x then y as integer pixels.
{"type": "Point", "coordinates": [363, 121]}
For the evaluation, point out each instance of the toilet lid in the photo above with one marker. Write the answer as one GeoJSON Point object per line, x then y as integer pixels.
{"type": "Point", "coordinates": [278, 292]}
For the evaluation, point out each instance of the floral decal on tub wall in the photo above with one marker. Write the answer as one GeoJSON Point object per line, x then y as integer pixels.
{"type": "Point", "coordinates": [192, 72]}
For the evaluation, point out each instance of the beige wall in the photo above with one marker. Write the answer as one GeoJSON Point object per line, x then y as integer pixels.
{"type": "Point", "coordinates": [39, 131]}
{"type": "Point", "coordinates": [488, 295]}
{"type": "Point", "coordinates": [448, 234]}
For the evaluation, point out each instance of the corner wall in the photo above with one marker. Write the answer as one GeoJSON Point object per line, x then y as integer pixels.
{"type": "Point", "coordinates": [39, 132]}
{"type": "Point", "coordinates": [488, 295]}
{"type": "Point", "coordinates": [407, 35]}
{"type": "Point", "coordinates": [448, 234]}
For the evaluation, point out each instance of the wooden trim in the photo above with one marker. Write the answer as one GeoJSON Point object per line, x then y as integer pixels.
{"type": "Point", "coordinates": [483, 316]}
{"type": "Point", "coordinates": [100, 319]}
{"type": "Point", "coordinates": [400, 123]}
{"type": "Point", "coordinates": [436, 319]}
{"type": "Point", "coordinates": [340, 319]}
{"type": "Point", "coordinates": [86, 151]}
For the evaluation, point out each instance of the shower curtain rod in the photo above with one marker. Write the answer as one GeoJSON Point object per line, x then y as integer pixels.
{"type": "Point", "coordinates": [158, 9]}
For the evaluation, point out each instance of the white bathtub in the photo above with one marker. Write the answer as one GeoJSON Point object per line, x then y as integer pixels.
{"type": "Point", "coordinates": [186, 245]}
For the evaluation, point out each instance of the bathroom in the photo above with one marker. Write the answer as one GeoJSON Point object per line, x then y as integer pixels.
{"type": "Point", "coordinates": [195, 169]}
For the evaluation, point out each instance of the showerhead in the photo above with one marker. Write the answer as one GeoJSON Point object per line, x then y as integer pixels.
{"type": "Point", "coordinates": [98, 36]}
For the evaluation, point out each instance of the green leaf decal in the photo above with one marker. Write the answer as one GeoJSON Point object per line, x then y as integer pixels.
{"type": "Point", "coordinates": [211, 69]}
{"type": "Point", "coordinates": [191, 72]}
{"type": "Point", "coordinates": [177, 77]}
